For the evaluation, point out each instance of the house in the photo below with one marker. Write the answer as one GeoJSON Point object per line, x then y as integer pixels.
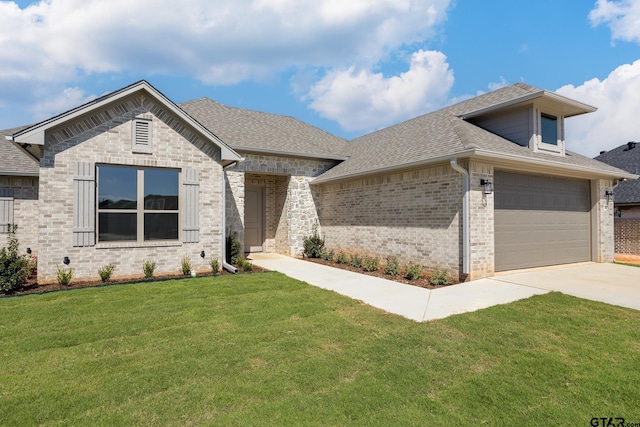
{"type": "Point", "coordinates": [626, 197]}
{"type": "Point", "coordinates": [481, 186]}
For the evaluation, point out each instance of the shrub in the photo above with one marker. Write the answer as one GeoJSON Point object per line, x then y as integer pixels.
{"type": "Point", "coordinates": [393, 266]}
{"type": "Point", "coordinates": [413, 272]}
{"type": "Point", "coordinates": [327, 256]}
{"type": "Point", "coordinates": [14, 268]}
{"type": "Point", "coordinates": [313, 245]}
{"type": "Point", "coordinates": [215, 266]}
{"type": "Point", "coordinates": [105, 272]}
{"type": "Point", "coordinates": [233, 247]}
{"type": "Point", "coordinates": [64, 276]}
{"type": "Point", "coordinates": [439, 278]}
{"type": "Point", "coordinates": [148, 267]}
{"type": "Point", "coordinates": [342, 258]}
{"type": "Point", "coordinates": [370, 263]}
{"type": "Point", "coordinates": [244, 264]}
{"type": "Point", "coordinates": [355, 261]}
{"type": "Point", "coordinates": [185, 266]}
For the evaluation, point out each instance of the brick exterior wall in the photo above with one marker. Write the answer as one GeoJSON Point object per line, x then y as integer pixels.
{"type": "Point", "coordinates": [105, 137]}
{"type": "Point", "coordinates": [25, 210]}
{"type": "Point", "coordinates": [291, 204]}
{"type": "Point", "coordinates": [627, 236]}
{"type": "Point", "coordinates": [413, 215]}
{"type": "Point", "coordinates": [602, 218]}
{"type": "Point", "coordinates": [481, 212]}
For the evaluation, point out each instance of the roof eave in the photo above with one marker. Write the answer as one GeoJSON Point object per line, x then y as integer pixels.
{"type": "Point", "coordinates": [575, 107]}
{"type": "Point", "coordinates": [14, 173]}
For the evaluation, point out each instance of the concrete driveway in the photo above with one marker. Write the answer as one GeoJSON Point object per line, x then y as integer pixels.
{"type": "Point", "coordinates": [609, 283]}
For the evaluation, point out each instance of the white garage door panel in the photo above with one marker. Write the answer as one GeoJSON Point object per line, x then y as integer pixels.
{"type": "Point", "coordinates": [540, 220]}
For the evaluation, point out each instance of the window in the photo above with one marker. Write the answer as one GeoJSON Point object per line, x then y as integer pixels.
{"type": "Point", "coordinates": [137, 204]}
{"type": "Point", "coordinates": [549, 129]}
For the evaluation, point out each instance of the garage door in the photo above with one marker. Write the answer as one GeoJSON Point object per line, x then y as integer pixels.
{"type": "Point", "coordinates": [540, 220]}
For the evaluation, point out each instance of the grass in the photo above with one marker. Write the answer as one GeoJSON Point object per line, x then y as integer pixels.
{"type": "Point", "coordinates": [264, 349]}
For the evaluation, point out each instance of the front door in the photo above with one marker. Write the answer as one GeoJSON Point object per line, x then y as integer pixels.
{"type": "Point", "coordinates": [253, 219]}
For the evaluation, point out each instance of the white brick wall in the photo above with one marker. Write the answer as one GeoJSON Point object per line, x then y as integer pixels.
{"type": "Point", "coordinates": [106, 138]}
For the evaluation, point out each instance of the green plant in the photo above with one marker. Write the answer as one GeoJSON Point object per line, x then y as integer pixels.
{"type": "Point", "coordinates": [14, 268]}
{"type": "Point", "coordinates": [244, 263]}
{"type": "Point", "coordinates": [106, 271]}
{"type": "Point", "coordinates": [185, 265]}
{"type": "Point", "coordinates": [439, 278]}
{"type": "Point", "coordinates": [313, 245]}
{"type": "Point", "coordinates": [393, 266]}
{"type": "Point", "coordinates": [413, 272]}
{"type": "Point", "coordinates": [233, 247]}
{"type": "Point", "coordinates": [370, 263]}
{"type": "Point", "coordinates": [327, 256]}
{"type": "Point", "coordinates": [64, 276]}
{"type": "Point", "coordinates": [215, 266]}
{"type": "Point", "coordinates": [148, 267]}
{"type": "Point", "coordinates": [342, 258]}
{"type": "Point", "coordinates": [355, 261]}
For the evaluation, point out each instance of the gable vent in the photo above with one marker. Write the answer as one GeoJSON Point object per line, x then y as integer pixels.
{"type": "Point", "coordinates": [141, 136]}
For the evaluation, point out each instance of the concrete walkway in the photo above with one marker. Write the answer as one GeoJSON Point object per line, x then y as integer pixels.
{"type": "Point", "coordinates": [609, 283]}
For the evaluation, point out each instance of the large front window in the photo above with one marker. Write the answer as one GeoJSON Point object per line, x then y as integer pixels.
{"type": "Point", "coordinates": [137, 204]}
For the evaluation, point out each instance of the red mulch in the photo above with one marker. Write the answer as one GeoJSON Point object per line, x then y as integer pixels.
{"type": "Point", "coordinates": [422, 282]}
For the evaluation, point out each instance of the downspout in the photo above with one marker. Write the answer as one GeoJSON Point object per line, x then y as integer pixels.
{"type": "Point", "coordinates": [465, 214]}
{"type": "Point", "coordinates": [230, 268]}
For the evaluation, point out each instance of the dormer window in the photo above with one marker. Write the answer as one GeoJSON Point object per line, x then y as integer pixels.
{"type": "Point", "coordinates": [549, 129]}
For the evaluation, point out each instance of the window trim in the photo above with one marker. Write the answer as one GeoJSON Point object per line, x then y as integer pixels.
{"type": "Point", "coordinates": [540, 145]}
{"type": "Point", "coordinates": [140, 210]}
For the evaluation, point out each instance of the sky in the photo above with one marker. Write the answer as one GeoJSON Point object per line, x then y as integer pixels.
{"type": "Point", "coordinates": [346, 66]}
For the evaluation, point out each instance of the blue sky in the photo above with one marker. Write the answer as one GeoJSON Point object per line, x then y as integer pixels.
{"type": "Point", "coordinates": [348, 67]}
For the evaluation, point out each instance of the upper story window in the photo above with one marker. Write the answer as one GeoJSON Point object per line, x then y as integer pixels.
{"type": "Point", "coordinates": [137, 204]}
{"type": "Point", "coordinates": [549, 129]}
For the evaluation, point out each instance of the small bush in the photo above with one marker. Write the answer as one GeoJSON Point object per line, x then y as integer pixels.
{"type": "Point", "coordinates": [185, 266]}
{"type": "Point", "coordinates": [14, 268]}
{"type": "Point", "coordinates": [244, 264]}
{"type": "Point", "coordinates": [342, 258]}
{"type": "Point", "coordinates": [439, 278]}
{"type": "Point", "coordinates": [370, 263]}
{"type": "Point", "coordinates": [313, 245]}
{"type": "Point", "coordinates": [327, 256]}
{"type": "Point", "coordinates": [355, 261]}
{"type": "Point", "coordinates": [215, 266]}
{"type": "Point", "coordinates": [64, 276]}
{"type": "Point", "coordinates": [393, 266]}
{"type": "Point", "coordinates": [105, 272]}
{"type": "Point", "coordinates": [148, 267]}
{"type": "Point", "coordinates": [233, 247]}
{"type": "Point", "coordinates": [413, 272]}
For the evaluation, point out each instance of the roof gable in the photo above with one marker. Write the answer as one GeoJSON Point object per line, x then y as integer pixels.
{"type": "Point", "coordinates": [35, 134]}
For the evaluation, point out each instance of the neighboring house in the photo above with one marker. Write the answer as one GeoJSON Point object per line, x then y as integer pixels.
{"type": "Point", "coordinates": [482, 186]}
{"type": "Point", "coordinates": [626, 197]}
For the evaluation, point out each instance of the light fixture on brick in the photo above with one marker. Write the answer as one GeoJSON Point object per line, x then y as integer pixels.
{"type": "Point", "coordinates": [488, 187]}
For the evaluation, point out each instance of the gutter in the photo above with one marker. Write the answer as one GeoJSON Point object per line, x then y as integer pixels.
{"type": "Point", "coordinates": [465, 214]}
{"type": "Point", "coordinates": [230, 268]}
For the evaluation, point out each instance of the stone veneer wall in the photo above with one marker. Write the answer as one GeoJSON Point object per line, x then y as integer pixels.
{"type": "Point", "coordinates": [291, 205]}
{"type": "Point", "coordinates": [414, 215]}
{"type": "Point", "coordinates": [602, 219]}
{"type": "Point", "coordinates": [25, 210]}
{"type": "Point", "coordinates": [105, 137]}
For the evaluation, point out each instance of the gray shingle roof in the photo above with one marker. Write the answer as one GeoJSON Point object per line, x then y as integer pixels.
{"type": "Point", "coordinates": [627, 192]}
{"type": "Point", "coordinates": [441, 134]}
{"type": "Point", "coordinates": [256, 131]}
{"type": "Point", "coordinates": [13, 159]}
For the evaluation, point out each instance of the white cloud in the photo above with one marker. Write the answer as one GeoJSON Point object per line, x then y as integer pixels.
{"type": "Point", "coordinates": [69, 98]}
{"type": "Point", "coordinates": [622, 17]}
{"type": "Point", "coordinates": [360, 100]}
{"type": "Point", "coordinates": [616, 120]}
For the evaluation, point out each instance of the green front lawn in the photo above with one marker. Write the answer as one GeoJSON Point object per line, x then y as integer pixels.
{"type": "Point", "coordinates": [263, 349]}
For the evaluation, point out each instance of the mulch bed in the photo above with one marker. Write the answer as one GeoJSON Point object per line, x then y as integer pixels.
{"type": "Point", "coordinates": [33, 287]}
{"type": "Point", "coordinates": [422, 282]}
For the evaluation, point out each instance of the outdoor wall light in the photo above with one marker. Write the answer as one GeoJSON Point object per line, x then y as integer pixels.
{"type": "Point", "coordinates": [29, 251]}
{"type": "Point", "coordinates": [66, 260]}
{"type": "Point", "coordinates": [609, 194]}
{"type": "Point", "coordinates": [488, 186]}
{"type": "Point", "coordinates": [202, 254]}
